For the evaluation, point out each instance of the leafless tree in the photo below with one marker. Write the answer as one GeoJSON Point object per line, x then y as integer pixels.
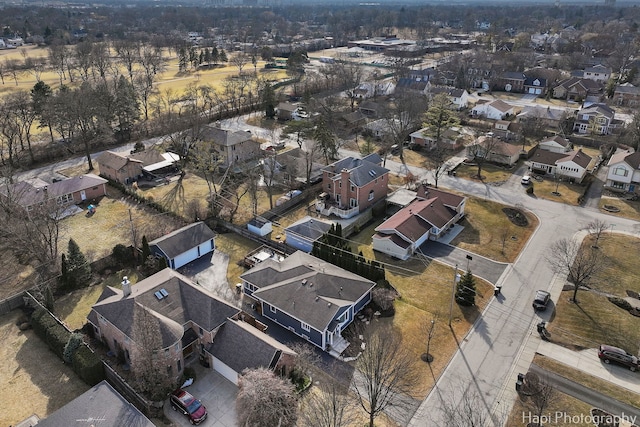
{"type": "Point", "coordinates": [13, 69]}
{"type": "Point", "coordinates": [83, 59]}
{"type": "Point", "coordinates": [385, 375]}
{"type": "Point", "coordinates": [540, 394]}
{"type": "Point", "coordinates": [328, 406]}
{"type": "Point", "coordinates": [57, 54]}
{"type": "Point", "coordinates": [578, 262]}
{"type": "Point", "coordinates": [402, 117]}
{"type": "Point", "coordinates": [149, 361]}
{"type": "Point", "coordinates": [438, 160]}
{"type": "Point", "coordinates": [481, 151]}
{"type": "Point", "coordinates": [101, 60]}
{"type": "Point", "coordinates": [597, 228]}
{"type": "Point", "coordinates": [265, 400]}
{"type": "Point", "coordinates": [128, 54]}
{"type": "Point", "coordinates": [240, 60]}
{"type": "Point", "coordinates": [464, 406]}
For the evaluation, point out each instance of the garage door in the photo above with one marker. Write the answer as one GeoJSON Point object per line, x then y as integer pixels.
{"type": "Point", "coordinates": [186, 257]}
{"type": "Point", "coordinates": [225, 371]}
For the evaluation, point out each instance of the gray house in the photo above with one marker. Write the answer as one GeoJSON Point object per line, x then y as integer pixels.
{"type": "Point", "coordinates": [312, 298]}
{"type": "Point", "coordinates": [184, 245]}
{"type": "Point", "coordinates": [301, 234]}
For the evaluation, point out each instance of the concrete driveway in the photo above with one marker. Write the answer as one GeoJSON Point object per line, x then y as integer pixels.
{"type": "Point", "coordinates": [216, 393]}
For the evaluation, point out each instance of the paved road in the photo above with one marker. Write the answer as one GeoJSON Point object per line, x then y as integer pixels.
{"type": "Point", "coordinates": [592, 397]}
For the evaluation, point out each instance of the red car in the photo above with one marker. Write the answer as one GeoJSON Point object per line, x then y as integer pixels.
{"type": "Point", "coordinates": [190, 406]}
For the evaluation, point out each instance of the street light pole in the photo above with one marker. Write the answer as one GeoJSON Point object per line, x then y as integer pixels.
{"type": "Point", "coordinates": [453, 293]}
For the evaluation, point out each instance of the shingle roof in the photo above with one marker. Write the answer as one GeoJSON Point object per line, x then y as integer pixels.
{"type": "Point", "coordinates": [450, 91]}
{"type": "Point", "coordinates": [361, 171]}
{"type": "Point", "coordinates": [29, 192]}
{"type": "Point", "coordinates": [448, 199]}
{"type": "Point", "coordinates": [501, 106]}
{"type": "Point", "coordinates": [183, 239]}
{"type": "Point", "coordinates": [558, 140]}
{"type": "Point", "coordinates": [224, 137]}
{"type": "Point", "coordinates": [311, 228]}
{"type": "Point", "coordinates": [417, 218]}
{"type": "Point", "coordinates": [114, 160]}
{"type": "Point", "coordinates": [307, 288]}
{"type": "Point", "coordinates": [577, 157]}
{"type": "Point", "coordinates": [512, 75]}
{"type": "Point", "coordinates": [628, 89]}
{"type": "Point", "coordinates": [632, 159]}
{"type": "Point", "coordinates": [241, 346]}
{"type": "Point", "coordinates": [148, 157]}
{"type": "Point", "coordinates": [101, 406]}
{"type": "Point", "coordinates": [545, 113]}
{"type": "Point", "coordinates": [603, 109]}
{"type": "Point", "coordinates": [184, 302]}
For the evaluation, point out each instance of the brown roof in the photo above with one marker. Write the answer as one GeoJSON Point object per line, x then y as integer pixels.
{"type": "Point", "coordinates": [448, 199]}
{"type": "Point", "coordinates": [501, 106]}
{"type": "Point", "coordinates": [578, 157]}
{"type": "Point", "coordinates": [30, 192]}
{"type": "Point", "coordinates": [546, 157]}
{"type": "Point", "coordinates": [114, 161]}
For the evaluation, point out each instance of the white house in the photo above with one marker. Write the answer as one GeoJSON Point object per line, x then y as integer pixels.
{"type": "Point", "coordinates": [496, 110]}
{"type": "Point", "coordinates": [624, 171]}
{"type": "Point", "coordinates": [571, 165]}
{"type": "Point", "coordinates": [598, 73]}
{"type": "Point", "coordinates": [557, 144]}
{"type": "Point", "coordinates": [458, 97]}
{"type": "Point", "coordinates": [184, 245]}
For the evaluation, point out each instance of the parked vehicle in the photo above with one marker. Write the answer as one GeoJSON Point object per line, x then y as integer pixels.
{"type": "Point", "coordinates": [526, 180]}
{"type": "Point", "coordinates": [541, 300]}
{"type": "Point", "coordinates": [609, 354]}
{"type": "Point", "coordinates": [191, 407]}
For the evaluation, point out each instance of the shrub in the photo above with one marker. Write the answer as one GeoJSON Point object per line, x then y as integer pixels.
{"type": "Point", "coordinates": [72, 345]}
{"type": "Point", "coordinates": [88, 366]}
{"type": "Point", "coordinates": [57, 338]}
{"type": "Point", "coordinates": [620, 302]}
{"type": "Point", "coordinates": [530, 189]}
{"type": "Point", "coordinates": [122, 254]}
{"type": "Point", "coordinates": [39, 322]}
{"type": "Point", "coordinates": [188, 372]}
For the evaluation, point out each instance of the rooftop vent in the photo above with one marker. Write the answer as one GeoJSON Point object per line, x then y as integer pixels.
{"type": "Point", "coordinates": [158, 295]}
{"type": "Point", "coordinates": [304, 282]}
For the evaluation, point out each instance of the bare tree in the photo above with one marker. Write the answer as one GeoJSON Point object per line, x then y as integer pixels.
{"type": "Point", "coordinates": [240, 60]}
{"type": "Point", "coordinates": [579, 262]}
{"type": "Point", "coordinates": [438, 160]}
{"type": "Point", "coordinates": [464, 406]}
{"type": "Point", "coordinates": [265, 400]}
{"type": "Point", "coordinates": [597, 228]}
{"type": "Point", "coordinates": [481, 151]}
{"type": "Point", "coordinates": [540, 394]}
{"type": "Point", "coordinates": [402, 117]}
{"type": "Point", "coordinates": [57, 54]}
{"type": "Point", "coordinates": [330, 406]}
{"type": "Point", "coordinates": [385, 376]}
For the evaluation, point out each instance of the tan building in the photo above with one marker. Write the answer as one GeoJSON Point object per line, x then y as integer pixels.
{"type": "Point", "coordinates": [232, 147]}
{"type": "Point", "coordinates": [119, 168]}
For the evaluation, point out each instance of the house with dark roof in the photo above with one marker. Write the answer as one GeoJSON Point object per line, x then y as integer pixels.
{"type": "Point", "coordinates": [239, 346]}
{"type": "Point", "coordinates": [556, 143]}
{"type": "Point", "coordinates": [431, 214]}
{"type": "Point", "coordinates": [535, 86]}
{"type": "Point", "coordinates": [312, 298]}
{"type": "Point", "coordinates": [231, 147]}
{"type": "Point", "coordinates": [550, 117]}
{"type": "Point", "coordinates": [285, 110]}
{"type": "Point", "coordinates": [627, 95]}
{"type": "Point", "coordinates": [598, 73]}
{"type": "Point", "coordinates": [458, 97]}
{"type": "Point", "coordinates": [595, 119]}
{"type": "Point", "coordinates": [303, 233]}
{"type": "Point", "coordinates": [185, 244]}
{"type": "Point", "coordinates": [624, 172]}
{"type": "Point", "coordinates": [568, 165]}
{"type": "Point", "coordinates": [102, 406]}
{"type": "Point", "coordinates": [510, 82]}
{"type": "Point", "coordinates": [578, 89]}
{"type": "Point", "coordinates": [36, 192]}
{"type": "Point", "coordinates": [352, 185]}
{"type": "Point", "coordinates": [450, 139]}
{"type": "Point", "coordinates": [126, 169]}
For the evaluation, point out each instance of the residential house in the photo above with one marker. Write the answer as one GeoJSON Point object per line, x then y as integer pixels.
{"type": "Point", "coordinates": [303, 233]}
{"type": "Point", "coordinates": [505, 129]}
{"type": "Point", "coordinates": [510, 82]}
{"type": "Point", "coordinates": [409, 85]}
{"type": "Point", "coordinates": [238, 346]}
{"type": "Point", "coordinates": [285, 111]}
{"type": "Point", "coordinates": [578, 89]}
{"type": "Point", "coordinates": [458, 97]}
{"type": "Point", "coordinates": [371, 109]}
{"type": "Point", "coordinates": [100, 405]}
{"type": "Point", "coordinates": [379, 128]}
{"type": "Point", "coordinates": [627, 95]}
{"type": "Point", "coordinates": [352, 185]}
{"type": "Point", "coordinates": [495, 110]}
{"type": "Point", "coordinates": [354, 120]}
{"type": "Point", "coordinates": [231, 147]}
{"type": "Point", "coordinates": [570, 165]}
{"type": "Point", "coordinates": [295, 166]}
{"type": "Point", "coordinates": [550, 117]}
{"type": "Point", "coordinates": [595, 119]}
{"type": "Point", "coordinates": [598, 73]}
{"type": "Point", "coordinates": [449, 139]}
{"type": "Point", "coordinates": [184, 245]}
{"type": "Point", "coordinates": [428, 217]}
{"type": "Point", "coordinates": [495, 150]}
{"type": "Point", "coordinates": [556, 144]}
{"type": "Point", "coordinates": [36, 192]}
{"type": "Point", "coordinates": [312, 298]}
{"type": "Point", "coordinates": [624, 172]}
{"type": "Point", "coordinates": [425, 74]}
{"type": "Point", "coordinates": [127, 168]}
{"type": "Point", "coordinates": [535, 86]}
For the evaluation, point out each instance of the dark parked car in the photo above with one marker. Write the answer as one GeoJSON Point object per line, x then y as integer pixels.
{"type": "Point", "coordinates": [617, 355]}
{"type": "Point", "coordinates": [184, 402]}
{"type": "Point", "coordinates": [541, 300]}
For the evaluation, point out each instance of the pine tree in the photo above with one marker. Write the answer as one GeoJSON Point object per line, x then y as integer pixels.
{"type": "Point", "coordinates": [222, 56]}
{"type": "Point", "coordinates": [49, 300]}
{"type": "Point", "coordinates": [162, 263]}
{"type": "Point", "coordinates": [79, 270]}
{"type": "Point", "coordinates": [466, 290]}
{"type": "Point", "coordinates": [64, 271]}
{"type": "Point", "coordinates": [145, 248]}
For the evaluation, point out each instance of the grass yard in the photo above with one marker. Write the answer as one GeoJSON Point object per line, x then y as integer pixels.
{"type": "Point", "coordinates": [483, 217]}
{"type": "Point", "coordinates": [237, 247]}
{"type": "Point", "coordinates": [490, 173]}
{"type": "Point", "coordinates": [34, 379]}
{"type": "Point", "coordinates": [568, 193]}
{"type": "Point", "coordinates": [605, 387]}
{"type": "Point", "coordinates": [595, 320]}
{"type": "Point", "coordinates": [628, 208]}
{"type": "Point", "coordinates": [561, 404]}
{"type": "Point", "coordinates": [16, 276]}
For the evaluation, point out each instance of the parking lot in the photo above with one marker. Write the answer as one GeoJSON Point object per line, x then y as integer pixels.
{"type": "Point", "coordinates": [216, 393]}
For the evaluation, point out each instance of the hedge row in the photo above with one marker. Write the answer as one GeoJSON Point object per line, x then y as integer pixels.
{"type": "Point", "coordinates": [85, 363]}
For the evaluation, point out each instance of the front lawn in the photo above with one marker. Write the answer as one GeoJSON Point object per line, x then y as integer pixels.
{"type": "Point", "coordinates": [626, 208]}
{"type": "Point", "coordinates": [563, 191]}
{"type": "Point", "coordinates": [490, 173]}
{"type": "Point", "coordinates": [561, 404]}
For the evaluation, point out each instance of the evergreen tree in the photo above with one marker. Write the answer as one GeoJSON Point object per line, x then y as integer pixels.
{"type": "Point", "coordinates": [64, 271]}
{"type": "Point", "coordinates": [215, 55]}
{"type": "Point", "coordinates": [269, 100]}
{"type": "Point", "coordinates": [162, 263]}
{"type": "Point", "coordinates": [49, 300]}
{"type": "Point", "coordinates": [145, 248]}
{"type": "Point", "coordinates": [79, 272]}
{"type": "Point", "coordinates": [466, 290]}
{"type": "Point", "coordinates": [222, 56]}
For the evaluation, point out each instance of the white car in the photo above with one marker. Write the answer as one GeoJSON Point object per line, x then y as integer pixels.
{"type": "Point", "coordinates": [526, 180]}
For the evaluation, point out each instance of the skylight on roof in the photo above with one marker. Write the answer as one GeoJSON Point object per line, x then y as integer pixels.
{"type": "Point", "coordinates": [158, 295]}
{"type": "Point", "coordinates": [164, 292]}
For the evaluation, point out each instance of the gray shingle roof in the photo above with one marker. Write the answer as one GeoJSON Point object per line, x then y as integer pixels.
{"type": "Point", "coordinates": [29, 192]}
{"type": "Point", "coordinates": [311, 228]}
{"type": "Point", "coordinates": [315, 301]}
{"type": "Point", "coordinates": [361, 171]}
{"type": "Point", "coordinates": [224, 137]}
{"type": "Point", "coordinates": [114, 160]}
{"type": "Point", "coordinates": [183, 239]}
{"type": "Point", "coordinates": [101, 406]}
{"type": "Point", "coordinates": [241, 346]}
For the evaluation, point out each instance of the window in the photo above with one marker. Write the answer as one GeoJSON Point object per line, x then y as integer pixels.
{"type": "Point", "coordinates": [273, 309]}
{"type": "Point", "coordinates": [370, 195]}
{"type": "Point", "coordinates": [340, 184]}
{"type": "Point", "coordinates": [338, 199]}
{"type": "Point", "coordinates": [305, 327]}
{"type": "Point", "coordinates": [353, 187]}
{"type": "Point", "coordinates": [620, 171]}
{"type": "Point", "coordinates": [179, 366]}
{"type": "Point", "coordinates": [616, 184]}
{"type": "Point", "coordinates": [329, 186]}
{"type": "Point", "coordinates": [353, 202]}
{"type": "Point", "coordinates": [170, 370]}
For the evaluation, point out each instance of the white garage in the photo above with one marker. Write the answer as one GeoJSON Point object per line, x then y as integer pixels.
{"type": "Point", "coordinates": [184, 245]}
{"type": "Point", "coordinates": [225, 370]}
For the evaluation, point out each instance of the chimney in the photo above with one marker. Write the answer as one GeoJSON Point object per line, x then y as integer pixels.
{"type": "Point", "coordinates": [126, 287]}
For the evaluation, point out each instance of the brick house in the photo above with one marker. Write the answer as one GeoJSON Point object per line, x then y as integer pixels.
{"type": "Point", "coordinates": [627, 95]}
{"type": "Point", "coordinates": [511, 82]}
{"type": "Point", "coordinates": [577, 89]}
{"type": "Point", "coordinates": [119, 168]}
{"type": "Point", "coordinates": [231, 147]}
{"type": "Point", "coordinates": [188, 319]}
{"type": "Point", "coordinates": [351, 186]}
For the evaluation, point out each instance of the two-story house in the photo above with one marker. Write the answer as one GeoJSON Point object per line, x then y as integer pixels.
{"type": "Point", "coordinates": [627, 95]}
{"type": "Point", "coordinates": [624, 172]}
{"type": "Point", "coordinates": [188, 320]}
{"type": "Point", "coordinates": [351, 185]}
{"type": "Point", "coordinates": [312, 298]}
{"type": "Point", "coordinates": [428, 217]}
{"type": "Point", "coordinates": [535, 86]}
{"type": "Point", "coordinates": [598, 73]}
{"type": "Point", "coordinates": [595, 119]}
{"type": "Point", "coordinates": [511, 82]}
{"type": "Point", "coordinates": [231, 147]}
{"type": "Point", "coordinates": [458, 97]}
{"type": "Point", "coordinates": [578, 89]}
{"type": "Point", "coordinates": [127, 168]}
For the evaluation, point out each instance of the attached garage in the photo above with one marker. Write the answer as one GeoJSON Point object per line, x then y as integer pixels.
{"type": "Point", "coordinates": [184, 245]}
{"type": "Point", "coordinates": [225, 370]}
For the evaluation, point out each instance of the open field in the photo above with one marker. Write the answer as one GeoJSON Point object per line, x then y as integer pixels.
{"type": "Point", "coordinates": [34, 379]}
{"type": "Point", "coordinates": [595, 320]}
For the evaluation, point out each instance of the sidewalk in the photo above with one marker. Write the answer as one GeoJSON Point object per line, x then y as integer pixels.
{"type": "Point", "coordinates": [588, 362]}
